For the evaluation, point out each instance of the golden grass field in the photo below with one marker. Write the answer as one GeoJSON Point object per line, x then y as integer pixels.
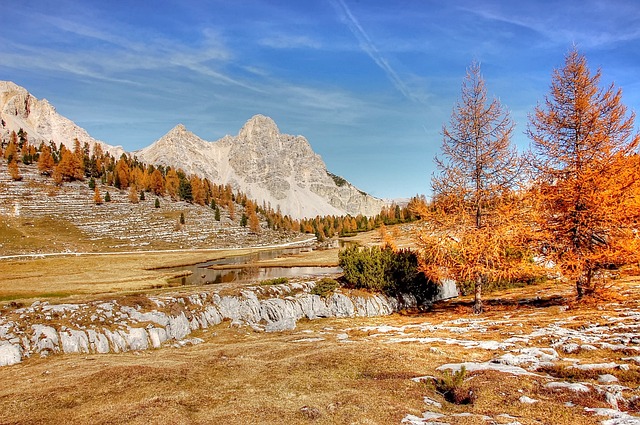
{"type": "Point", "coordinates": [311, 375]}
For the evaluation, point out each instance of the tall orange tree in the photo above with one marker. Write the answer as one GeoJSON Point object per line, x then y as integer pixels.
{"type": "Point", "coordinates": [583, 145]}
{"type": "Point", "coordinates": [469, 231]}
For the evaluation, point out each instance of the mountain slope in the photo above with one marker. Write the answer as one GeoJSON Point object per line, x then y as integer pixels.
{"type": "Point", "coordinates": [20, 110]}
{"type": "Point", "coordinates": [268, 166]}
{"type": "Point", "coordinates": [278, 169]}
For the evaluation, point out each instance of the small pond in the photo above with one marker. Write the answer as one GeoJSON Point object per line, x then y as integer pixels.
{"type": "Point", "coordinates": [204, 274]}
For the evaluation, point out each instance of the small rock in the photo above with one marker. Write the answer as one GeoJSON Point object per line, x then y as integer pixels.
{"type": "Point", "coordinates": [570, 348]}
{"type": "Point", "coordinates": [575, 387]}
{"type": "Point", "coordinates": [310, 412]}
{"type": "Point", "coordinates": [607, 379]}
{"type": "Point", "coordinates": [527, 400]}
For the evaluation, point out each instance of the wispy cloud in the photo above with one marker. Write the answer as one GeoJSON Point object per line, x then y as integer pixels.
{"type": "Point", "coordinates": [369, 47]}
{"type": "Point", "coordinates": [285, 41]}
{"type": "Point", "coordinates": [607, 26]}
{"type": "Point", "coordinates": [116, 55]}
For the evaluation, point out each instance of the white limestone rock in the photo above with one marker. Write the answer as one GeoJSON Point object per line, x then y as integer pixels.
{"type": "Point", "coordinates": [98, 342]}
{"type": "Point", "coordinates": [9, 354]}
{"type": "Point", "coordinates": [158, 336]}
{"type": "Point", "coordinates": [118, 343]}
{"type": "Point", "coordinates": [45, 339]}
{"type": "Point", "coordinates": [20, 109]}
{"type": "Point", "coordinates": [137, 339]}
{"type": "Point", "coordinates": [178, 327]}
{"type": "Point", "coordinates": [74, 341]}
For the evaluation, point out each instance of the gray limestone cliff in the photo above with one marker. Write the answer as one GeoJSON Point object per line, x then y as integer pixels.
{"type": "Point", "coordinates": [279, 169]}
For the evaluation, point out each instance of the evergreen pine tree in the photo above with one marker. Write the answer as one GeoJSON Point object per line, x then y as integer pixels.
{"type": "Point", "coordinates": [182, 218]}
{"type": "Point", "coordinates": [217, 214]}
{"type": "Point", "coordinates": [107, 197]}
{"type": "Point", "coordinates": [157, 205]}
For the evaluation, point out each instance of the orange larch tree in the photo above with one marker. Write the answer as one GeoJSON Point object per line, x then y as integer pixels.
{"type": "Point", "coordinates": [13, 170]}
{"type": "Point", "coordinates": [172, 183]}
{"type": "Point", "coordinates": [583, 143]}
{"type": "Point", "coordinates": [45, 161]}
{"type": "Point", "coordinates": [470, 231]}
{"type": "Point", "coordinates": [69, 168]}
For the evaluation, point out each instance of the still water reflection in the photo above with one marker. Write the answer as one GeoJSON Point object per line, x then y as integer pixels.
{"type": "Point", "coordinates": [203, 274]}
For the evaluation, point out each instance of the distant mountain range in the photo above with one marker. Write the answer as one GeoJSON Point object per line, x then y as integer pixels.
{"type": "Point", "coordinates": [268, 166]}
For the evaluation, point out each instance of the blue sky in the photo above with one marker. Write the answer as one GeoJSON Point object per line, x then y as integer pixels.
{"type": "Point", "coordinates": [368, 83]}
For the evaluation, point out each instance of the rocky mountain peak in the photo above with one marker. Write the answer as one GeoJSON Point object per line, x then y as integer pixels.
{"type": "Point", "coordinates": [19, 109]}
{"type": "Point", "coordinates": [259, 127]}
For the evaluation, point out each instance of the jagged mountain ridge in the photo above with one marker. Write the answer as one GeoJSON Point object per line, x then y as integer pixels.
{"type": "Point", "coordinates": [21, 110]}
{"type": "Point", "coordinates": [267, 165]}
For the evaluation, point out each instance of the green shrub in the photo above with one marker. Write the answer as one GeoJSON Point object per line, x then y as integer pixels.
{"type": "Point", "coordinates": [385, 270]}
{"type": "Point", "coordinates": [275, 281]}
{"type": "Point", "coordinates": [325, 287]}
{"type": "Point", "coordinates": [451, 386]}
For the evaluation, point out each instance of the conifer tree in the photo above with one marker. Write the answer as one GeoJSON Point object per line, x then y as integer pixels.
{"type": "Point", "coordinates": [97, 198]}
{"type": "Point", "coordinates": [156, 183]}
{"type": "Point", "coordinates": [583, 145]}
{"type": "Point", "coordinates": [217, 214]}
{"type": "Point", "coordinates": [157, 204]}
{"type": "Point", "coordinates": [172, 184]}
{"type": "Point", "coordinates": [69, 168]}
{"type": "Point", "coordinates": [13, 170]}
{"type": "Point", "coordinates": [133, 195]}
{"type": "Point", "coordinates": [107, 197]}
{"type": "Point", "coordinates": [472, 225]}
{"type": "Point", "coordinates": [11, 152]}
{"type": "Point", "coordinates": [254, 223]}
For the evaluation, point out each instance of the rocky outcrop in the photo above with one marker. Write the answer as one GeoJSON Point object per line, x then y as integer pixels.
{"type": "Point", "coordinates": [271, 167]}
{"type": "Point", "coordinates": [103, 327]}
{"type": "Point", "coordinates": [40, 120]}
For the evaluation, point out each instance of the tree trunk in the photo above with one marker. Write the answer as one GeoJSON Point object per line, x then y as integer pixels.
{"type": "Point", "coordinates": [584, 283]}
{"type": "Point", "coordinates": [477, 305]}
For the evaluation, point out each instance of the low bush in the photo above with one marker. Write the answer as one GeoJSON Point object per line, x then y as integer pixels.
{"type": "Point", "coordinates": [325, 287]}
{"type": "Point", "coordinates": [452, 387]}
{"type": "Point", "coordinates": [276, 281]}
{"type": "Point", "coordinates": [385, 270]}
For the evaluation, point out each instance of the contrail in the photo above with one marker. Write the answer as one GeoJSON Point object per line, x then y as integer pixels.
{"type": "Point", "coordinates": [370, 49]}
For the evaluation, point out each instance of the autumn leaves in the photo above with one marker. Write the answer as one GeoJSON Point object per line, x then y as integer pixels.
{"type": "Point", "coordinates": [572, 200]}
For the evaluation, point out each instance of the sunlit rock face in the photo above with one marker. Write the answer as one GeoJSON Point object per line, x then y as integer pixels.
{"type": "Point", "coordinates": [278, 169]}
{"type": "Point", "coordinates": [19, 109]}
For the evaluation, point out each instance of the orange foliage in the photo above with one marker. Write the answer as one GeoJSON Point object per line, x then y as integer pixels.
{"type": "Point", "coordinates": [97, 198]}
{"type": "Point", "coordinates": [473, 232]}
{"type": "Point", "coordinates": [172, 183]}
{"type": "Point", "coordinates": [587, 181]}
{"type": "Point", "coordinates": [69, 168]}
{"type": "Point", "coordinates": [13, 170]}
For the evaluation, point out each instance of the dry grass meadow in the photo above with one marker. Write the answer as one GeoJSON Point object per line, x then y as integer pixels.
{"type": "Point", "coordinates": [329, 371]}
